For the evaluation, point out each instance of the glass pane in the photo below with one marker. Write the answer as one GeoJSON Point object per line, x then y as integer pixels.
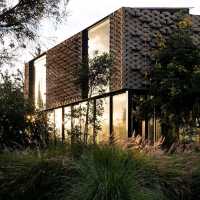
{"type": "Point", "coordinates": [90, 137]}
{"type": "Point", "coordinates": [120, 116]}
{"type": "Point", "coordinates": [77, 122]}
{"type": "Point", "coordinates": [80, 112]}
{"type": "Point", "coordinates": [158, 130]}
{"type": "Point", "coordinates": [76, 116]}
{"type": "Point", "coordinates": [67, 123]}
{"type": "Point", "coordinates": [137, 124]}
{"type": "Point", "coordinates": [58, 123]}
{"type": "Point", "coordinates": [40, 82]}
{"type": "Point", "coordinates": [151, 129]}
{"type": "Point", "coordinates": [99, 37]}
{"type": "Point", "coordinates": [51, 123]}
{"type": "Point", "coordinates": [102, 120]}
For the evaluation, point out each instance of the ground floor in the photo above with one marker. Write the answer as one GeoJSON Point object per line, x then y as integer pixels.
{"type": "Point", "coordinates": [105, 117]}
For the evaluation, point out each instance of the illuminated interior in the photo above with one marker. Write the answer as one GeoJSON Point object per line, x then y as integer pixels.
{"type": "Point", "coordinates": [40, 82]}
{"type": "Point", "coordinates": [67, 123]}
{"type": "Point", "coordinates": [51, 123]}
{"type": "Point", "coordinates": [99, 36]}
{"type": "Point", "coordinates": [99, 124]}
{"type": "Point", "coordinates": [102, 120]}
{"type": "Point", "coordinates": [58, 123]}
{"type": "Point", "coordinates": [99, 43]}
{"type": "Point", "coordinates": [120, 118]}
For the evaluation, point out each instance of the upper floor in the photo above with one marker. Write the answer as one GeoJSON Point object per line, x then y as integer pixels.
{"type": "Point", "coordinates": [130, 35]}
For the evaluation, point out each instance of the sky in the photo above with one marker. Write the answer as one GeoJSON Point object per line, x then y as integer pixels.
{"type": "Point", "coordinates": [83, 13]}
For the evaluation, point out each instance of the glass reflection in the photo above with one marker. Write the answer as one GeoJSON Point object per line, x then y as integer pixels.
{"type": "Point", "coordinates": [83, 129]}
{"type": "Point", "coordinates": [40, 82]}
{"type": "Point", "coordinates": [51, 123]}
{"type": "Point", "coordinates": [148, 129]}
{"type": "Point", "coordinates": [99, 37]}
{"type": "Point", "coordinates": [67, 123]}
{"type": "Point", "coordinates": [58, 123]}
{"type": "Point", "coordinates": [102, 120]}
{"type": "Point", "coordinates": [137, 124]}
{"type": "Point", "coordinates": [120, 116]}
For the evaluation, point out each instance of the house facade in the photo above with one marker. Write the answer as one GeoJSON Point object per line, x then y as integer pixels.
{"type": "Point", "coordinates": [130, 36]}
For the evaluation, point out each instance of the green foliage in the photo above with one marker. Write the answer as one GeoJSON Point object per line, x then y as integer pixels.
{"type": "Point", "coordinates": [99, 172]}
{"type": "Point", "coordinates": [20, 22]}
{"type": "Point", "coordinates": [95, 75]}
{"type": "Point", "coordinates": [20, 126]}
{"type": "Point", "coordinates": [111, 173]}
{"type": "Point", "coordinates": [13, 109]}
{"type": "Point", "coordinates": [94, 78]}
{"type": "Point", "coordinates": [175, 83]}
{"type": "Point", "coordinates": [34, 178]}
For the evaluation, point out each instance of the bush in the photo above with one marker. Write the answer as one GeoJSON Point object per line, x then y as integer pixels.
{"type": "Point", "coordinates": [26, 175]}
{"type": "Point", "coordinates": [108, 173]}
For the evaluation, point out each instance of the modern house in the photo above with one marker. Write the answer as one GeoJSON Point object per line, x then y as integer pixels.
{"type": "Point", "coordinates": [130, 35]}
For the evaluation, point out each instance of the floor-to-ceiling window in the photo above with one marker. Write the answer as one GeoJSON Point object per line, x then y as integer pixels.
{"type": "Point", "coordinates": [40, 82]}
{"type": "Point", "coordinates": [102, 122]}
{"type": "Point", "coordinates": [137, 124]}
{"type": "Point", "coordinates": [51, 124]}
{"type": "Point", "coordinates": [120, 116]}
{"type": "Point", "coordinates": [58, 123]}
{"type": "Point", "coordinates": [99, 43]}
{"type": "Point", "coordinates": [67, 123]}
{"type": "Point", "coordinates": [99, 39]}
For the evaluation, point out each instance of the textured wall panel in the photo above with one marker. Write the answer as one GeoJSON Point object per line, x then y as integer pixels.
{"type": "Point", "coordinates": [141, 28]}
{"type": "Point", "coordinates": [26, 81]}
{"type": "Point", "coordinates": [63, 63]}
{"type": "Point", "coordinates": [116, 39]}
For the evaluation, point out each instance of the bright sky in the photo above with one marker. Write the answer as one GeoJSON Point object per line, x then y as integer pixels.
{"type": "Point", "coordinates": [83, 13]}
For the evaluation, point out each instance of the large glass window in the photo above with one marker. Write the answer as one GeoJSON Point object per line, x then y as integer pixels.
{"type": "Point", "coordinates": [76, 122]}
{"type": "Point", "coordinates": [80, 113]}
{"type": "Point", "coordinates": [137, 124]}
{"type": "Point", "coordinates": [102, 124]}
{"type": "Point", "coordinates": [67, 123]}
{"type": "Point", "coordinates": [58, 123]}
{"type": "Point", "coordinates": [51, 124]}
{"type": "Point", "coordinates": [40, 82]}
{"type": "Point", "coordinates": [99, 37]}
{"type": "Point", "coordinates": [120, 116]}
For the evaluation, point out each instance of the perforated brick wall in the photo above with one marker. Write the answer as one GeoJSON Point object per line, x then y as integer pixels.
{"type": "Point", "coordinates": [63, 63]}
{"type": "Point", "coordinates": [141, 28]}
{"type": "Point", "coordinates": [116, 40]}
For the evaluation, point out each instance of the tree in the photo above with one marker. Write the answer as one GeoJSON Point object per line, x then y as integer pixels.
{"type": "Point", "coordinates": [175, 81]}
{"type": "Point", "coordinates": [20, 126]}
{"type": "Point", "coordinates": [19, 23]}
{"type": "Point", "coordinates": [94, 78]}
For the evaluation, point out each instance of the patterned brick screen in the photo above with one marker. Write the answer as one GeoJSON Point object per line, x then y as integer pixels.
{"type": "Point", "coordinates": [63, 62]}
{"type": "Point", "coordinates": [141, 28]}
{"type": "Point", "coordinates": [116, 39]}
{"type": "Point", "coordinates": [133, 39]}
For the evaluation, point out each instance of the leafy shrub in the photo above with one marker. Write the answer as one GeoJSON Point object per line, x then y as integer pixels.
{"type": "Point", "coordinates": [108, 173]}
{"type": "Point", "coordinates": [25, 175]}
